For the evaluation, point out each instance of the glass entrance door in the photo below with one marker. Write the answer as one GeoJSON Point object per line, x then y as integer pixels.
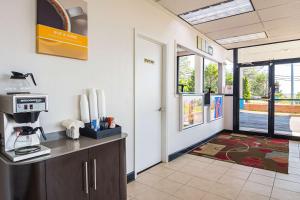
{"type": "Point", "coordinates": [287, 99]}
{"type": "Point", "coordinates": [254, 99]}
{"type": "Point", "coordinates": [269, 99]}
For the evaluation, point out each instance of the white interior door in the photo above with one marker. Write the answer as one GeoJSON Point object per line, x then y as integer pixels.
{"type": "Point", "coordinates": [148, 97]}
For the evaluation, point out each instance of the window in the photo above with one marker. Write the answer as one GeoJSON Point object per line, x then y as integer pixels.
{"type": "Point", "coordinates": [186, 74]}
{"type": "Point", "coordinates": [228, 73]}
{"type": "Point", "coordinates": [211, 76]}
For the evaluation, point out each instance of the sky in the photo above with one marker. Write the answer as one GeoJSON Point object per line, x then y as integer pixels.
{"type": "Point", "coordinates": [283, 76]}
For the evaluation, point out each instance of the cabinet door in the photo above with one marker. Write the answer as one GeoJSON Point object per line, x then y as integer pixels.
{"type": "Point", "coordinates": [67, 177]}
{"type": "Point", "coordinates": [22, 182]}
{"type": "Point", "coordinates": [107, 172]}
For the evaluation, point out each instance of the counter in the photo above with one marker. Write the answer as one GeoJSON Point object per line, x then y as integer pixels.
{"type": "Point", "coordinates": [83, 169]}
{"type": "Point", "coordinates": [65, 146]}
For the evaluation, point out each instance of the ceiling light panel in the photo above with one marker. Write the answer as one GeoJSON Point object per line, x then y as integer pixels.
{"type": "Point", "coordinates": [242, 38]}
{"type": "Point", "coordinates": [218, 11]}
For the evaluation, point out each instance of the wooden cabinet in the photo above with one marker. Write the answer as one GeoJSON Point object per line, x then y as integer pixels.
{"type": "Point", "coordinates": [22, 182]}
{"type": "Point", "coordinates": [66, 177]}
{"type": "Point", "coordinates": [96, 173]}
{"type": "Point", "coordinates": [107, 172]}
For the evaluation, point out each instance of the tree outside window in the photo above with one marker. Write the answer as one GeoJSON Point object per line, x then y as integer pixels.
{"type": "Point", "coordinates": [211, 76]}
{"type": "Point", "coordinates": [228, 68]}
{"type": "Point", "coordinates": [186, 74]}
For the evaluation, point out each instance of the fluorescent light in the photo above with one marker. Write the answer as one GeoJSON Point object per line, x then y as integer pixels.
{"type": "Point", "coordinates": [242, 38]}
{"type": "Point", "coordinates": [218, 11]}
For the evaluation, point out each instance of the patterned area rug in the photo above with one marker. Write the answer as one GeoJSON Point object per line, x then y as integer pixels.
{"type": "Point", "coordinates": [254, 151]}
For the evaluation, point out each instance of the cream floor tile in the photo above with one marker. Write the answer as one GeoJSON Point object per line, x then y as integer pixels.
{"type": "Point", "coordinates": [134, 188]}
{"type": "Point", "coordinates": [280, 194]}
{"type": "Point", "coordinates": [287, 185]}
{"type": "Point", "coordinates": [206, 160]}
{"type": "Point", "coordinates": [245, 195]}
{"type": "Point", "coordinates": [180, 177]}
{"type": "Point", "coordinates": [294, 159]}
{"type": "Point", "coordinates": [189, 193]}
{"type": "Point", "coordinates": [129, 197]}
{"type": "Point", "coordinates": [190, 156]}
{"type": "Point", "coordinates": [288, 177]}
{"type": "Point", "coordinates": [223, 163]}
{"type": "Point", "coordinates": [294, 170]}
{"type": "Point", "coordinates": [175, 165]}
{"type": "Point", "coordinates": [198, 164]}
{"type": "Point", "coordinates": [293, 154]}
{"type": "Point", "coordinates": [294, 164]}
{"type": "Point", "coordinates": [216, 168]}
{"type": "Point", "coordinates": [242, 168]}
{"type": "Point", "coordinates": [294, 149]}
{"type": "Point", "coordinates": [209, 175]}
{"type": "Point", "coordinates": [231, 181]}
{"type": "Point", "coordinates": [201, 184]}
{"type": "Point", "coordinates": [148, 179]}
{"type": "Point", "coordinates": [190, 170]}
{"type": "Point", "coordinates": [167, 186]}
{"type": "Point", "coordinates": [225, 191]}
{"type": "Point", "coordinates": [294, 142]}
{"type": "Point", "coordinates": [237, 173]}
{"type": "Point", "coordinates": [264, 172]}
{"type": "Point", "coordinates": [265, 180]}
{"type": "Point", "coordinates": [210, 196]}
{"type": "Point", "coordinates": [257, 188]}
{"type": "Point", "coordinates": [161, 171]}
{"type": "Point", "coordinates": [153, 194]}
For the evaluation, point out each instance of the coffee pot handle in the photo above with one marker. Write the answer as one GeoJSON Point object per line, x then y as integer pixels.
{"type": "Point", "coordinates": [41, 130]}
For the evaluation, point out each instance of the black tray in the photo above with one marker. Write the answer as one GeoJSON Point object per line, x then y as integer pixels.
{"type": "Point", "coordinates": [88, 132]}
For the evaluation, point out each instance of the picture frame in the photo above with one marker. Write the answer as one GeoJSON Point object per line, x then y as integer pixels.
{"type": "Point", "coordinates": [216, 107]}
{"type": "Point", "coordinates": [191, 110]}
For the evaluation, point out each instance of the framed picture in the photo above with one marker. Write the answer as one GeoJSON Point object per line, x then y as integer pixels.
{"type": "Point", "coordinates": [199, 43]}
{"type": "Point", "coordinates": [191, 110]}
{"type": "Point", "coordinates": [62, 28]}
{"type": "Point", "coordinates": [216, 107]}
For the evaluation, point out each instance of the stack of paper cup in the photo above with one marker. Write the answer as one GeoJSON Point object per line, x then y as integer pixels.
{"type": "Point", "coordinates": [94, 109]}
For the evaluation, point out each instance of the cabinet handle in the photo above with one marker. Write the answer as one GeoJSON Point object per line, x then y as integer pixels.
{"type": "Point", "coordinates": [95, 174]}
{"type": "Point", "coordinates": [86, 178]}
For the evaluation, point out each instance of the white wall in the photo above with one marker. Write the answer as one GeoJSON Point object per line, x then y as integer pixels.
{"type": "Point", "coordinates": [110, 65]}
{"type": "Point", "coordinates": [228, 113]}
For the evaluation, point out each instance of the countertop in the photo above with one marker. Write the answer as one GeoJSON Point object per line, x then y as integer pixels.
{"type": "Point", "coordinates": [66, 146]}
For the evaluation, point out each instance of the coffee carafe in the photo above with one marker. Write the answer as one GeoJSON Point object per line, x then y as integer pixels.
{"type": "Point", "coordinates": [18, 83]}
{"type": "Point", "coordinates": [24, 142]}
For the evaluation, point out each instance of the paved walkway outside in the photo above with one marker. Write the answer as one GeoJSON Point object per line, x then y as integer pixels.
{"type": "Point", "coordinates": [260, 121]}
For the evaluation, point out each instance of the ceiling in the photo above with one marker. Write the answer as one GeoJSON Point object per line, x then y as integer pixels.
{"type": "Point", "coordinates": [280, 19]}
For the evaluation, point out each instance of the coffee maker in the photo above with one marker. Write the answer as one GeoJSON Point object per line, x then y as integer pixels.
{"type": "Point", "coordinates": [20, 128]}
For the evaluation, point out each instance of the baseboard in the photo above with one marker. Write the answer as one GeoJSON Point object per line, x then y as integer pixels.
{"type": "Point", "coordinates": [130, 177]}
{"type": "Point", "coordinates": [177, 154]}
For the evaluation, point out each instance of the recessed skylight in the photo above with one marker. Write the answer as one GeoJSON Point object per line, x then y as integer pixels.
{"type": "Point", "coordinates": [218, 11]}
{"type": "Point", "coordinates": [242, 38]}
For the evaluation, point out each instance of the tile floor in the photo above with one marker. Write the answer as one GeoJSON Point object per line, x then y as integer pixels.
{"type": "Point", "coordinates": [196, 178]}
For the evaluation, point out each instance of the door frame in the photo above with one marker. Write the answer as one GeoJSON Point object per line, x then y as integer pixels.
{"type": "Point", "coordinates": [164, 119]}
{"type": "Point", "coordinates": [271, 106]}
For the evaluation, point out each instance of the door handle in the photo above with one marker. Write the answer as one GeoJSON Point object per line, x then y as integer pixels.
{"type": "Point", "coordinates": [161, 109]}
{"type": "Point", "coordinates": [95, 174]}
{"type": "Point", "coordinates": [86, 178]}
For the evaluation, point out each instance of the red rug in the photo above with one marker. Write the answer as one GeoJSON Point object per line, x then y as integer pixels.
{"type": "Point", "coordinates": [253, 151]}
